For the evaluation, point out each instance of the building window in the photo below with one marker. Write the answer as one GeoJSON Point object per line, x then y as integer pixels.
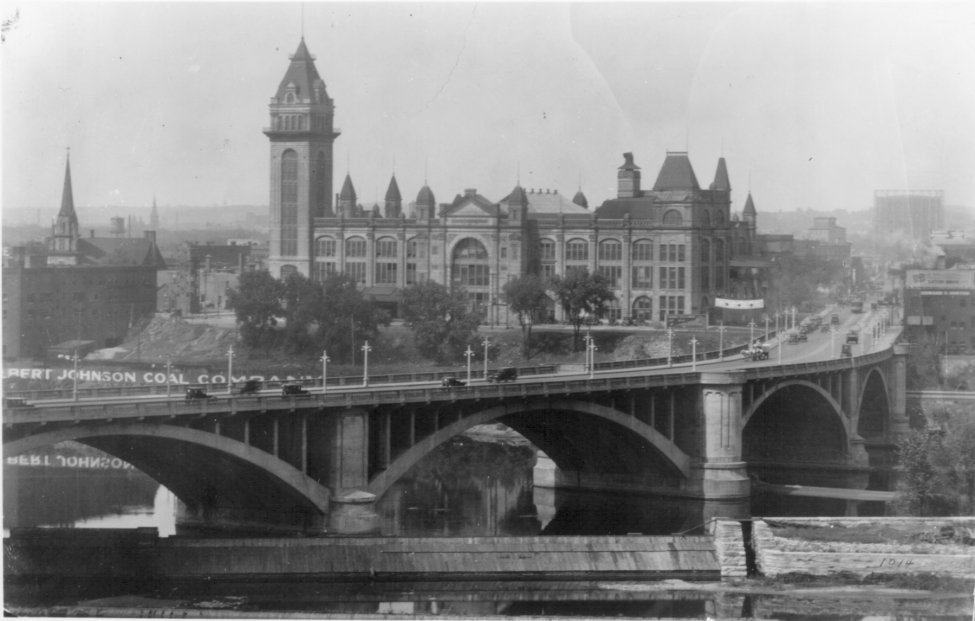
{"type": "Point", "coordinates": [643, 308]}
{"type": "Point", "coordinates": [504, 252]}
{"type": "Point", "coordinates": [356, 271]}
{"type": "Point", "coordinates": [469, 266]}
{"type": "Point", "coordinates": [321, 270]}
{"type": "Point", "coordinates": [672, 278]}
{"type": "Point", "coordinates": [386, 247]}
{"type": "Point", "coordinates": [288, 270]}
{"type": "Point", "coordinates": [673, 218]}
{"type": "Point", "coordinates": [411, 249]}
{"type": "Point", "coordinates": [355, 247]}
{"type": "Point", "coordinates": [612, 273]}
{"type": "Point", "coordinates": [325, 247]}
{"type": "Point", "coordinates": [289, 203]}
{"type": "Point", "coordinates": [319, 175]}
{"type": "Point", "coordinates": [613, 311]}
{"type": "Point", "coordinates": [610, 250]}
{"type": "Point", "coordinates": [671, 305]}
{"type": "Point", "coordinates": [643, 250]}
{"type": "Point", "coordinates": [548, 250]}
{"type": "Point", "coordinates": [642, 277]}
{"type": "Point", "coordinates": [411, 273]}
{"type": "Point", "coordinates": [385, 273]}
{"type": "Point", "coordinates": [577, 250]}
{"type": "Point", "coordinates": [548, 270]}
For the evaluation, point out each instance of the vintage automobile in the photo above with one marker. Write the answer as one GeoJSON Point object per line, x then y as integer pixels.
{"type": "Point", "coordinates": [195, 393]}
{"type": "Point", "coordinates": [853, 337]}
{"type": "Point", "coordinates": [451, 382]}
{"type": "Point", "coordinates": [846, 351]}
{"type": "Point", "coordinates": [797, 338]}
{"type": "Point", "coordinates": [293, 390]}
{"type": "Point", "coordinates": [507, 374]}
{"type": "Point", "coordinates": [250, 386]}
{"type": "Point", "coordinates": [755, 352]}
{"type": "Point", "coordinates": [834, 319]}
{"type": "Point", "coordinates": [15, 402]}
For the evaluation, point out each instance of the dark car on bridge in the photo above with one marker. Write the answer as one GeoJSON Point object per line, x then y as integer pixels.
{"type": "Point", "coordinates": [249, 387]}
{"type": "Point", "coordinates": [507, 374]}
{"type": "Point", "coordinates": [451, 382]}
{"type": "Point", "coordinates": [799, 337]}
{"type": "Point", "coordinates": [853, 337]}
{"type": "Point", "coordinates": [846, 351]}
{"type": "Point", "coordinates": [15, 402]}
{"type": "Point", "coordinates": [196, 393]}
{"type": "Point", "coordinates": [293, 390]}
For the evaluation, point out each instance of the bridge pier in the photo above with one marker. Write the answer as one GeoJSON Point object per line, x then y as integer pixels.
{"type": "Point", "coordinates": [345, 445]}
{"type": "Point", "coordinates": [720, 473]}
{"type": "Point", "coordinates": [899, 425]}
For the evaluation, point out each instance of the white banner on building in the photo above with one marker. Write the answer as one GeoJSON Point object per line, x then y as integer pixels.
{"type": "Point", "coordinates": [739, 304]}
{"type": "Point", "coordinates": [940, 279]}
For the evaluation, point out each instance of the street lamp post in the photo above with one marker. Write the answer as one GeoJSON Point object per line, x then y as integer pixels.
{"type": "Point", "coordinates": [693, 354]}
{"type": "Point", "coordinates": [169, 374]}
{"type": "Point", "coordinates": [721, 341]}
{"type": "Point", "coordinates": [469, 353]}
{"type": "Point", "coordinates": [793, 317]}
{"type": "Point", "coordinates": [592, 357]}
{"type": "Point", "coordinates": [670, 347]}
{"type": "Point", "coordinates": [325, 361]}
{"type": "Point", "coordinates": [766, 328]}
{"type": "Point", "coordinates": [230, 369]}
{"type": "Point", "coordinates": [751, 332]}
{"type": "Point", "coordinates": [74, 385]}
{"type": "Point", "coordinates": [486, 343]}
{"type": "Point", "coordinates": [365, 363]}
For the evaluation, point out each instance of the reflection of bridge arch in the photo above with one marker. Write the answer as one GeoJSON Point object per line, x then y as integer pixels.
{"type": "Point", "coordinates": [779, 427]}
{"type": "Point", "coordinates": [202, 469]}
{"type": "Point", "coordinates": [668, 451]}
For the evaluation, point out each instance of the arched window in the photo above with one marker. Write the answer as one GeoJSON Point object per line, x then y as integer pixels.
{"type": "Point", "coordinates": [411, 249]}
{"type": "Point", "coordinates": [325, 247]}
{"type": "Point", "coordinates": [469, 265]}
{"type": "Point", "coordinates": [610, 250]}
{"type": "Point", "coordinates": [705, 218]}
{"type": "Point", "coordinates": [643, 308]}
{"type": "Point", "coordinates": [642, 250]}
{"type": "Point", "coordinates": [718, 217]}
{"type": "Point", "coordinates": [355, 247]}
{"type": "Point", "coordinates": [319, 175]}
{"type": "Point", "coordinates": [705, 251]}
{"type": "Point", "coordinates": [673, 218]}
{"type": "Point", "coordinates": [289, 203]}
{"type": "Point", "coordinates": [386, 247]}
{"type": "Point", "coordinates": [577, 250]}
{"type": "Point", "coordinates": [548, 250]}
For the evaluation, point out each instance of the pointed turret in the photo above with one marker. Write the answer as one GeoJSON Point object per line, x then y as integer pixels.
{"type": "Point", "coordinates": [394, 200]}
{"type": "Point", "coordinates": [517, 202]}
{"type": "Point", "coordinates": [347, 198]}
{"type": "Point", "coordinates": [721, 182]}
{"type": "Point", "coordinates": [748, 214]}
{"type": "Point", "coordinates": [64, 238]}
{"type": "Point", "coordinates": [301, 82]}
{"type": "Point", "coordinates": [580, 199]}
{"type": "Point", "coordinates": [426, 203]}
{"type": "Point", "coordinates": [676, 173]}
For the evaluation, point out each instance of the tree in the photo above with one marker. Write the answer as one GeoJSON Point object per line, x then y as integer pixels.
{"type": "Point", "coordinates": [301, 299]}
{"type": "Point", "coordinates": [257, 305]}
{"type": "Point", "coordinates": [442, 323]}
{"type": "Point", "coordinates": [795, 279]}
{"type": "Point", "coordinates": [583, 297]}
{"type": "Point", "coordinates": [938, 466]}
{"type": "Point", "coordinates": [526, 296]}
{"type": "Point", "coordinates": [345, 317]}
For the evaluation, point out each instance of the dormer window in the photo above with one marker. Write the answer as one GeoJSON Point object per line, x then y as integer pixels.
{"type": "Point", "coordinates": [291, 93]}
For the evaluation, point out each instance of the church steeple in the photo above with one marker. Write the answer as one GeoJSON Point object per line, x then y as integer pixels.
{"type": "Point", "coordinates": [394, 200]}
{"type": "Point", "coordinates": [64, 236]}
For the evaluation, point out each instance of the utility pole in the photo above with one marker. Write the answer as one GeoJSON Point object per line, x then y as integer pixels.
{"type": "Point", "coordinates": [230, 369]}
{"type": "Point", "coordinates": [486, 343]}
{"type": "Point", "coordinates": [469, 353]}
{"type": "Point", "coordinates": [365, 363]}
{"type": "Point", "coordinates": [325, 360]}
{"type": "Point", "coordinates": [693, 353]}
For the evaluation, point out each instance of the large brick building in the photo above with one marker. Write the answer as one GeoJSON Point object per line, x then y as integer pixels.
{"type": "Point", "coordinates": [74, 288]}
{"type": "Point", "coordinates": [669, 250]}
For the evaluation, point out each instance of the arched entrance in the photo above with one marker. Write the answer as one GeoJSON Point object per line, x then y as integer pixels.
{"type": "Point", "coordinates": [470, 268]}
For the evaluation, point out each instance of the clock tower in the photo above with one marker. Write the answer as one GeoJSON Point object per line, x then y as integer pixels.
{"type": "Point", "coordinates": [302, 137]}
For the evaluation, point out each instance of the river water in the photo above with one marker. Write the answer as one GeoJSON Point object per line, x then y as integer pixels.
{"type": "Point", "coordinates": [467, 488]}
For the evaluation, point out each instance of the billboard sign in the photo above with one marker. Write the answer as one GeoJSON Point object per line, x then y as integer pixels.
{"type": "Point", "coordinates": [739, 304]}
{"type": "Point", "coordinates": [940, 279]}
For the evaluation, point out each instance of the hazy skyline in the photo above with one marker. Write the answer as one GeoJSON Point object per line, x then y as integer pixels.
{"type": "Point", "coordinates": [813, 105]}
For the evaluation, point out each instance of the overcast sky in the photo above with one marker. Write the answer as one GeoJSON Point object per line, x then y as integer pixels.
{"type": "Point", "coordinates": [813, 105]}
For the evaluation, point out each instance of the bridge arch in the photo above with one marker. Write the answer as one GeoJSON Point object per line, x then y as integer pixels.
{"type": "Point", "coordinates": [873, 405]}
{"type": "Point", "coordinates": [237, 478]}
{"type": "Point", "coordinates": [773, 429]}
{"type": "Point", "coordinates": [669, 452]}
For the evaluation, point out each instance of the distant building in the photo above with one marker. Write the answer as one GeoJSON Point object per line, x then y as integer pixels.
{"type": "Point", "coordinates": [942, 302]}
{"type": "Point", "coordinates": [669, 250]}
{"type": "Point", "coordinates": [86, 289]}
{"type": "Point", "coordinates": [914, 213]}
